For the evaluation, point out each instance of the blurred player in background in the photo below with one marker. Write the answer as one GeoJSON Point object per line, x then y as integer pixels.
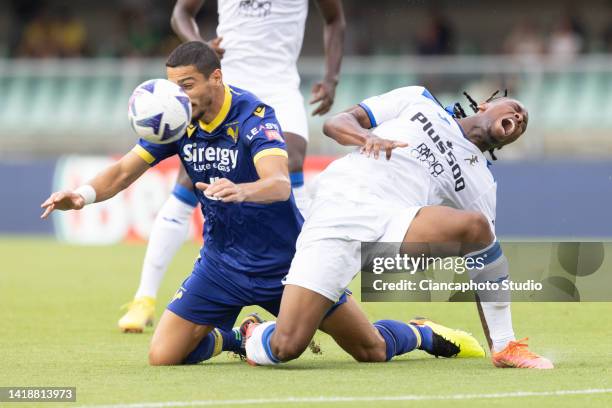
{"type": "Point", "coordinates": [259, 43]}
{"type": "Point", "coordinates": [435, 190]}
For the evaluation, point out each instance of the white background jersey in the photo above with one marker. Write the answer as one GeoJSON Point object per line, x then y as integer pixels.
{"type": "Point", "coordinates": [439, 167]}
{"type": "Point", "coordinates": [262, 41]}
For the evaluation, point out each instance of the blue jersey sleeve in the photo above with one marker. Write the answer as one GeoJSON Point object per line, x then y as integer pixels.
{"type": "Point", "coordinates": [153, 153]}
{"type": "Point", "coordinates": [263, 134]}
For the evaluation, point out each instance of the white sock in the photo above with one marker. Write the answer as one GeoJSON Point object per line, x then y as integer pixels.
{"type": "Point", "coordinates": [499, 321]}
{"type": "Point", "coordinates": [258, 345]}
{"type": "Point", "coordinates": [302, 200]}
{"type": "Point", "coordinates": [495, 305]}
{"type": "Point", "coordinates": [168, 234]}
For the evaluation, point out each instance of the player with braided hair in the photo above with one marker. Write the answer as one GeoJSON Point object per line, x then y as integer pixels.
{"type": "Point", "coordinates": [435, 188]}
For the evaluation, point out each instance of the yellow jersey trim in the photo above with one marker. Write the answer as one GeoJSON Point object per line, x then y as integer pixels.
{"type": "Point", "coordinates": [218, 348]}
{"type": "Point", "coordinates": [144, 155]}
{"type": "Point", "coordinates": [274, 151]}
{"type": "Point", "coordinates": [225, 108]}
{"type": "Point", "coordinates": [417, 335]}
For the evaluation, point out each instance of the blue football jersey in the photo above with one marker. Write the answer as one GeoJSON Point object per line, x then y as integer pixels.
{"type": "Point", "coordinates": [250, 238]}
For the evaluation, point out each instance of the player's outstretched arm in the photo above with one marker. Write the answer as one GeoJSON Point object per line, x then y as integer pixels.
{"type": "Point", "coordinates": [185, 27]}
{"type": "Point", "coordinates": [273, 184]}
{"type": "Point", "coordinates": [323, 92]}
{"type": "Point", "coordinates": [105, 185]}
{"type": "Point", "coordinates": [352, 128]}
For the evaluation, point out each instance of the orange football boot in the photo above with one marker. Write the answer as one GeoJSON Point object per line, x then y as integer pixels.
{"type": "Point", "coordinates": [517, 355]}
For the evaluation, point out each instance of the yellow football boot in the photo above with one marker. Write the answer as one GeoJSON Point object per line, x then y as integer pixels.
{"type": "Point", "coordinates": [141, 312]}
{"type": "Point", "coordinates": [448, 342]}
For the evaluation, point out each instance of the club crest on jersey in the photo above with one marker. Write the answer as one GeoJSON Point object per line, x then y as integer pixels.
{"type": "Point", "coordinates": [233, 133]}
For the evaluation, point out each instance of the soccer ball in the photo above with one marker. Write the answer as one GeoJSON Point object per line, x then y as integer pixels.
{"type": "Point", "coordinates": [159, 111]}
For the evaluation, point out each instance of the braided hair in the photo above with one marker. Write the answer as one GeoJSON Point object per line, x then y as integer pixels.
{"type": "Point", "coordinates": [459, 113]}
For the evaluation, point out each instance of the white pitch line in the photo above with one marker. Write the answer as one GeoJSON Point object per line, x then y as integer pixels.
{"type": "Point", "coordinates": [321, 400]}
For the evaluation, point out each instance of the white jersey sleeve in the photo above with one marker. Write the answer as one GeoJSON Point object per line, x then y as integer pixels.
{"type": "Point", "coordinates": [390, 105]}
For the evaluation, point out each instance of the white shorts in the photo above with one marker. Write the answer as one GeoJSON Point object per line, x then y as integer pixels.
{"type": "Point", "coordinates": [288, 105]}
{"type": "Point", "coordinates": [328, 250]}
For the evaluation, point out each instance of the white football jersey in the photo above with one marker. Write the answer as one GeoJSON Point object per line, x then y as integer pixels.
{"type": "Point", "coordinates": [262, 41]}
{"type": "Point", "coordinates": [439, 167]}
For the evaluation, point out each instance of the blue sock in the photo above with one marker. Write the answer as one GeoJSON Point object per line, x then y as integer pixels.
{"type": "Point", "coordinates": [213, 344]}
{"type": "Point", "coordinates": [399, 337]}
{"type": "Point", "coordinates": [185, 195]}
{"type": "Point", "coordinates": [232, 340]}
{"type": "Point", "coordinates": [297, 179]}
{"type": "Point", "coordinates": [426, 338]}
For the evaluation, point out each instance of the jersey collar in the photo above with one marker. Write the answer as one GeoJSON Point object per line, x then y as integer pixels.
{"type": "Point", "coordinates": [221, 116]}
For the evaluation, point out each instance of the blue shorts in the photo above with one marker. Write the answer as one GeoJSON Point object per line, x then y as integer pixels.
{"type": "Point", "coordinates": [214, 295]}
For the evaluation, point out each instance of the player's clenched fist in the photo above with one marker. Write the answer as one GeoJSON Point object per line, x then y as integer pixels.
{"type": "Point", "coordinates": [62, 200]}
{"type": "Point", "coordinates": [223, 190]}
{"type": "Point", "coordinates": [375, 144]}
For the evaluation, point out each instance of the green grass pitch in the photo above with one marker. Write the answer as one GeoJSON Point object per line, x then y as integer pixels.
{"type": "Point", "coordinates": [59, 307]}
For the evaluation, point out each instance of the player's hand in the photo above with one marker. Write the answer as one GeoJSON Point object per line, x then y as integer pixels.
{"type": "Point", "coordinates": [323, 93]}
{"type": "Point", "coordinates": [375, 144]}
{"type": "Point", "coordinates": [215, 44]}
{"type": "Point", "coordinates": [223, 190]}
{"type": "Point", "coordinates": [62, 200]}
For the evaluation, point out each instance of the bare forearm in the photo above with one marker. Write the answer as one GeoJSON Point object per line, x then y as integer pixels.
{"type": "Point", "coordinates": [118, 176]}
{"type": "Point", "coordinates": [333, 37]}
{"type": "Point", "coordinates": [109, 183]}
{"type": "Point", "coordinates": [268, 190]}
{"type": "Point", "coordinates": [105, 185]}
{"type": "Point", "coordinates": [183, 20]}
{"type": "Point", "coordinates": [346, 130]}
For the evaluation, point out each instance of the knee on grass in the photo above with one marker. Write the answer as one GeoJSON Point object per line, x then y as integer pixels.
{"type": "Point", "coordinates": [287, 347]}
{"type": "Point", "coordinates": [160, 357]}
{"type": "Point", "coordinates": [370, 355]}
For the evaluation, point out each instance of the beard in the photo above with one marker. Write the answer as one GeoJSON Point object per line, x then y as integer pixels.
{"type": "Point", "coordinates": [197, 115]}
{"type": "Point", "coordinates": [199, 112]}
